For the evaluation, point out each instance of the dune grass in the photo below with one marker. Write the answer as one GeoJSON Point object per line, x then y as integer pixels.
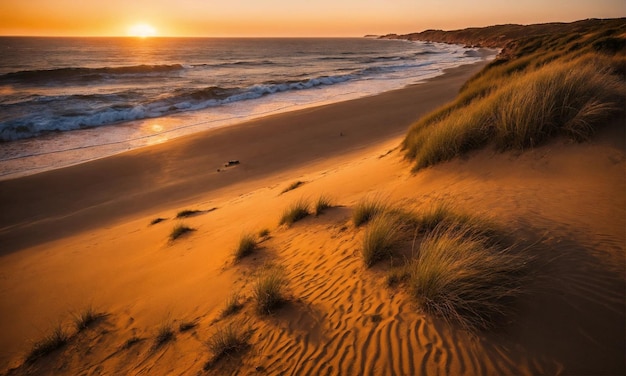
{"type": "Point", "coordinates": [322, 204]}
{"type": "Point", "coordinates": [296, 211]}
{"type": "Point", "coordinates": [131, 342]}
{"type": "Point", "coordinates": [55, 340]}
{"type": "Point", "coordinates": [156, 220]}
{"type": "Point", "coordinates": [264, 233]}
{"type": "Point", "coordinates": [381, 236]}
{"type": "Point", "coordinates": [86, 318]}
{"type": "Point", "coordinates": [233, 305]}
{"type": "Point", "coordinates": [460, 276]}
{"type": "Point", "coordinates": [179, 230]}
{"type": "Point", "coordinates": [187, 213]}
{"type": "Point", "coordinates": [543, 87]}
{"type": "Point", "coordinates": [165, 334]}
{"type": "Point", "coordinates": [268, 290]}
{"type": "Point", "coordinates": [292, 186]}
{"type": "Point", "coordinates": [187, 326]}
{"type": "Point", "coordinates": [227, 341]}
{"type": "Point", "coordinates": [366, 209]}
{"type": "Point", "coordinates": [247, 244]}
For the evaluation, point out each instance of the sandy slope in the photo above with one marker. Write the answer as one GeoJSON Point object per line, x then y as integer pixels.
{"type": "Point", "coordinates": [566, 200]}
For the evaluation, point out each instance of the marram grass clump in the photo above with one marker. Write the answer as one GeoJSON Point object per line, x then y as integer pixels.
{"type": "Point", "coordinates": [86, 318]}
{"type": "Point", "coordinates": [227, 341]}
{"type": "Point", "coordinates": [366, 209]}
{"type": "Point", "coordinates": [460, 276]}
{"type": "Point", "coordinates": [520, 110]}
{"type": "Point", "coordinates": [296, 211]}
{"type": "Point", "coordinates": [382, 235]}
{"type": "Point", "coordinates": [322, 204]}
{"type": "Point", "coordinates": [51, 342]}
{"type": "Point", "coordinates": [179, 230]}
{"type": "Point", "coordinates": [268, 290]}
{"type": "Point", "coordinates": [247, 244]}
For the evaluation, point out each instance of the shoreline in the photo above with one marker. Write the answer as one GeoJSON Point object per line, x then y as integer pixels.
{"type": "Point", "coordinates": [24, 157]}
{"type": "Point", "coordinates": [95, 193]}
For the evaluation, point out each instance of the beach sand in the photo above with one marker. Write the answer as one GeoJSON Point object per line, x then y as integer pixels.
{"type": "Point", "coordinates": [81, 236]}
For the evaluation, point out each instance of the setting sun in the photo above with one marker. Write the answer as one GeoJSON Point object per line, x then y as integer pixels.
{"type": "Point", "coordinates": [141, 30]}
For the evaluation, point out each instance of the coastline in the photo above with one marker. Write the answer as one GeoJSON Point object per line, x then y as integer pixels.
{"type": "Point", "coordinates": [96, 193]}
{"type": "Point", "coordinates": [565, 200]}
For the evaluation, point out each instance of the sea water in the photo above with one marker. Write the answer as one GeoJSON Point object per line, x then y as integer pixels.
{"type": "Point", "coordinates": [69, 100]}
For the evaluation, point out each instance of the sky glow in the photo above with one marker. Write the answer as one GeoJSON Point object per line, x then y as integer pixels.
{"type": "Point", "coordinates": [283, 18]}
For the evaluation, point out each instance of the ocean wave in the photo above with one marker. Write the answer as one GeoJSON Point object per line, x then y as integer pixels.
{"type": "Point", "coordinates": [71, 112]}
{"type": "Point", "coordinates": [84, 74]}
{"type": "Point", "coordinates": [36, 112]}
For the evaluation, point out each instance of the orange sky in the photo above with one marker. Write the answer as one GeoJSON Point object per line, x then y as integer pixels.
{"type": "Point", "coordinates": [261, 18]}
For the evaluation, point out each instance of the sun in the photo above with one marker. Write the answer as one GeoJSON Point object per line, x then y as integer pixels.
{"type": "Point", "coordinates": [142, 30]}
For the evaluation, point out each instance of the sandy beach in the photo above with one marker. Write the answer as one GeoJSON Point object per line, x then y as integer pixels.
{"type": "Point", "coordinates": [82, 236]}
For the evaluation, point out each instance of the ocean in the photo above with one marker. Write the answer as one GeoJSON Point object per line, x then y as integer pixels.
{"type": "Point", "coordinates": [69, 100]}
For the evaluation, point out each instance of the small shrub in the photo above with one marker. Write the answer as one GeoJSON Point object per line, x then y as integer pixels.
{"type": "Point", "coordinates": [268, 290]}
{"type": "Point", "coordinates": [367, 209]}
{"type": "Point", "coordinates": [380, 237]}
{"type": "Point", "coordinates": [227, 341]}
{"type": "Point", "coordinates": [247, 244]}
{"type": "Point", "coordinates": [264, 233]}
{"type": "Point", "coordinates": [322, 203]}
{"type": "Point", "coordinates": [86, 318]}
{"type": "Point", "coordinates": [187, 213]}
{"type": "Point", "coordinates": [297, 211]}
{"type": "Point", "coordinates": [459, 276]}
{"type": "Point", "coordinates": [179, 230]}
{"type": "Point", "coordinates": [51, 342]}
{"type": "Point", "coordinates": [233, 305]}
{"type": "Point", "coordinates": [292, 186]}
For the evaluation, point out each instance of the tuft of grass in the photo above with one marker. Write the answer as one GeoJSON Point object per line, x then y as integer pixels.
{"type": "Point", "coordinates": [323, 202]}
{"type": "Point", "coordinates": [187, 213]}
{"type": "Point", "coordinates": [381, 236]}
{"type": "Point", "coordinates": [292, 186]}
{"type": "Point", "coordinates": [86, 318]}
{"type": "Point", "coordinates": [156, 220]}
{"type": "Point", "coordinates": [165, 334]}
{"type": "Point", "coordinates": [179, 230]}
{"type": "Point", "coordinates": [48, 344]}
{"type": "Point", "coordinates": [227, 341]}
{"type": "Point", "coordinates": [131, 342]}
{"type": "Point", "coordinates": [264, 233]}
{"type": "Point", "coordinates": [296, 211]}
{"type": "Point", "coordinates": [461, 277]}
{"type": "Point", "coordinates": [268, 290]}
{"type": "Point", "coordinates": [247, 244]}
{"type": "Point", "coordinates": [187, 325]}
{"type": "Point", "coordinates": [233, 305]}
{"type": "Point", "coordinates": [367, 209]}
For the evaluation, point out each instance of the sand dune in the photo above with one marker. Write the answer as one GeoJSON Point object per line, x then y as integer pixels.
{"type": "Point", "coordinates": [564, 201]}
